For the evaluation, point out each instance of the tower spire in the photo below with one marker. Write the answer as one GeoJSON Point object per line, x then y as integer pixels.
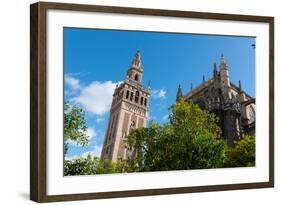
{"type": "Point", "coordinates": [203, 78]}
{"type": "Point", "coordinates": [179, 93]}
{"type": "Point", "coordinates": [136, 63]}
{"type": "Point", "coordinates": [135, 71]}
{"type": "Point", "coordinates": [223, 64]}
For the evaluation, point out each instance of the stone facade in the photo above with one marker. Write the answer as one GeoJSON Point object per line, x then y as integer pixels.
{"type": "Point", "coordinates": [129, 110]}
{"type": "Point", "coordinates": [233, 106]}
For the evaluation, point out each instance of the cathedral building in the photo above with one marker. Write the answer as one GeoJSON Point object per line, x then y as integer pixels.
{"type": "Point", "coordinates": [129, 110]}
{"type": "Point", "coordinates": [233, 106]}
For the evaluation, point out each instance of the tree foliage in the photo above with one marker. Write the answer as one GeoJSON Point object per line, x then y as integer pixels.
{"type": "Point", "coordinates": [93, 165]}
{"type": "Point", "coordinates": [242, 154]}
{"type": "Point", "coordinates": [192, 140]}
{"type": "Point", "coordinates": [75, 127]}
{"type": "Point", "coordinates": [88, 166]}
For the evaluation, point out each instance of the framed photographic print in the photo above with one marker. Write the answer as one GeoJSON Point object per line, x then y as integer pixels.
{"type": "Point", "coordinates": [135, 102]}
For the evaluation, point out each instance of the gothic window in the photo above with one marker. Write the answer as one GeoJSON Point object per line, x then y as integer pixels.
{"type": "Point", "coordinates": [137, 97]}
{"type": "Point", "coordinates": [141, 101]}
{"type": "Point", "coordinates": [132, 95]}
{"type": "Point", "coordinates": [136, 77]}
{"type": "Point", "coordinates": [127, 94]}
{"type": "Point", "coordinates": [251, 114]}
{"type": "Point", "coordinates": [145, 102]}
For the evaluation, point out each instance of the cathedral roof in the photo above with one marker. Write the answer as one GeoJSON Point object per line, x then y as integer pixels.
{"type": "Point", "coordinates": [207, 84]}
{"type": "Point", "coordinates": [199, 88]}
{"type": "Point", "coordinates": [237, 89]}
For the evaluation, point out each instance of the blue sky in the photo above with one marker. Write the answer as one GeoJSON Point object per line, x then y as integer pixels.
{"type": "Point", "coordinates": [96, 60]}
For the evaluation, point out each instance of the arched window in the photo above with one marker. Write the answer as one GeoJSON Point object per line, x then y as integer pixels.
{"type": "Point", "coordinates": [141, 101]}
{"type": "Point", "coordinates": [251, 114]}
{"type": "Point", "coordinates": [145, 101]}
{"type": "Point", "coordinates": [136, 77]}
{"type": "Point", "coordinates": [137, 96]}
{"type": "Point", "coordinates": [127, 94]}
{"type": "Point", "coordinates": [132, 95]}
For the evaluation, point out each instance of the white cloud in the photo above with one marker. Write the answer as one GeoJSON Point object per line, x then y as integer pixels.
{"type": "Point", "coordinates": [96, 97]}
{"type": "Point", "coordinates": [91, 132]}
{"type": "Point", "coordinates": [73, 83]}
{"type": "Point", "coordinates": [96, 152]}
{"type": "Point", "coordinates": [99, 119]}
{"type": "Point", "coordinates": [160, 94]}
{"type": "Point", "coordinates": [71, 142]}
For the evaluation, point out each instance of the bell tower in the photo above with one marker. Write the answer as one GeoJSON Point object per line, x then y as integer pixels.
{"type": "Point", "coordinates": [129, 110]}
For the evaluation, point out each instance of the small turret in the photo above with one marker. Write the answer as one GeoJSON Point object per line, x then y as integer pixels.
{"type": "Point", "coordinates": [224, 78]}
{"type": "Point", "coordinates": [215, 72]}
{"type": "Point", "coordinates": [179, 93]}
{"type": "Point", "coordinates": [224, 73]}
{"type": "Point", "coordinates": [148, 85]}
{"type": "Point", "coordinates": [242, 96]}
{"type": "Point", "coordinates": [240, 86]}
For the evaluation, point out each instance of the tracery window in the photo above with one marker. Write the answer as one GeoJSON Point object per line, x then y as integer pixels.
{"type": "Point", "coordinates": [251, 114]}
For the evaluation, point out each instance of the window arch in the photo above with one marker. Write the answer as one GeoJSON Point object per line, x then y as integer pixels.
{"type": "Point", "coordinates": [252, 113]}
{"type": "Point", "coordinates": [137, 96]}
{"type": "Point", "coordinates": [137, 77]}
{"type": "Point", "coordinates": [127, 94]}
{"type": "Point", "coordinates": [132, 95]}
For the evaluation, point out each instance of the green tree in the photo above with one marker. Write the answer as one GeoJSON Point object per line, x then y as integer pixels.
{"type": "Point", "coordinates": [81, 166]}
{"type": "Point", "coordinates": [192, 140]}
{"type": "Point", "coordinates": [242, 154]}
{"type": "Point", "coordinates": [93, 165]}
{"type": "Point", "coordinates": [75, 127]}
